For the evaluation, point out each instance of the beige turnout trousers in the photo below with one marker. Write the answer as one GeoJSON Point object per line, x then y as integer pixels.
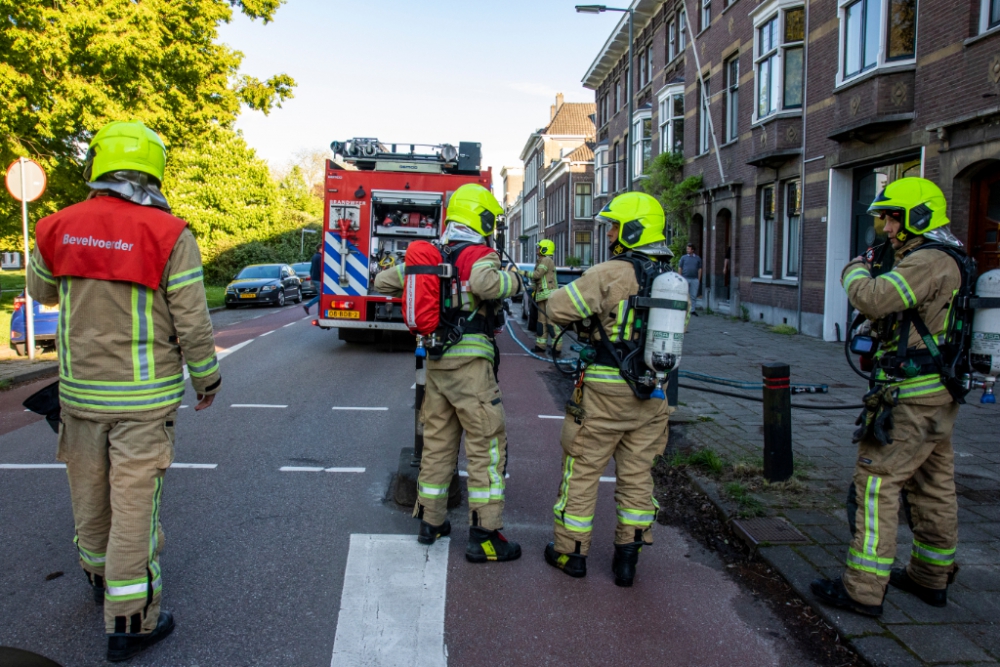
{"type": "Point", "coordinates": [634, 432]}
{"type": "Point", "coordinates": [920, 461]}
{"type": "Point", "coordinates": [467, 399]}
{"type": "Point", "coordinates": [115, 470]}
{"type": "Point", "coordinates": [546, 330]}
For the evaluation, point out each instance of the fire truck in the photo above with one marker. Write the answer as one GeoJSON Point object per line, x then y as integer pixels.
{"type": "Point", "coordinates": [379, 198]}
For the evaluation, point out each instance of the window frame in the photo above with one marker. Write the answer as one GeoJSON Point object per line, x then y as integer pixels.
{"type": "Point", "coordinates": [672, 39]}
{"type": "Point", "coordinates": [641, 142]}
{"type": "Point", "coordinates": [985, 8]}
{"type": "Point", "coordinates": [790, 246]}
{"type": "Point", "coordinates": [682, 31]}
{"type": "Point", "coordinates": [587, 244]}
{"type": "Point", "coordinates": [704, 88]}
{"type": "Point", "coordinates": [588, 201]}
{"type": "Point", "coordinates": [706, 15]}
{"type": "Point", "coordinates": [882, 59]}
{"type": "Point", "coordinates": [732, 125]}
{"type": "Point", "coordinates": [601, 170]}
{"type": "Point", "coordinates": [666, 99]}
{"type": "Point", "coordinates": [766, 230]}
{"type": "Point", "coordinates": [775, 57]}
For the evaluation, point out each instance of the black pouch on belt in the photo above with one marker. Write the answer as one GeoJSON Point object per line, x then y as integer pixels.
{"type": "Point", "coordinates": [45, 402]}
{"type": "Point", "coordinates": [876, 419]}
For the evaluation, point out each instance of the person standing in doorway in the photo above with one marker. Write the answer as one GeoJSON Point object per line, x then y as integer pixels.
{"type": "Point", "coordinates": [316, 275]}
{"type": "Point", "coordinates": [690, 268]}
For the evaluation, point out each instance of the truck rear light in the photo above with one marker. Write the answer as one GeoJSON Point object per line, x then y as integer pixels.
{"type": "Point", "coordinates": [342, 305]}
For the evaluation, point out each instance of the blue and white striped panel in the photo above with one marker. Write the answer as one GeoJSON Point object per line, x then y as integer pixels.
{"type": "Point", "coordinates": [357, 268]}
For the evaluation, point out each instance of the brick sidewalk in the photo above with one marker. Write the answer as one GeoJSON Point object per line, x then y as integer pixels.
{"type": "Point", "coordinates": [910, 632]}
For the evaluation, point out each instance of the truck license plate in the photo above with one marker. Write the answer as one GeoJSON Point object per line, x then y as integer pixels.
{"type": "Point", "coordinates": [248, 296]}
{"type": "Point", "coordinates": [343, 314]}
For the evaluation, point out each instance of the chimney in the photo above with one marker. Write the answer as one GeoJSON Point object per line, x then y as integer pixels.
{"type": "Point", "coordinates": [559, 101]}
{"type": "Point", "coordinates": [552, 113]}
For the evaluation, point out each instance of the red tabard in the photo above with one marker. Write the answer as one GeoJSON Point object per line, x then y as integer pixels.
{"type": "Point", "coordinates": [107, 238]}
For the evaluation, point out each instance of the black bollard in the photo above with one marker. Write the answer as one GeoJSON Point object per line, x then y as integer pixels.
{"type": "Point", "coordinates": [777, 423]}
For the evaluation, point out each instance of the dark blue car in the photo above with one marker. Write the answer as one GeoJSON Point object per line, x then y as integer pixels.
{"type": "Point", "coordinates": [46, 318]}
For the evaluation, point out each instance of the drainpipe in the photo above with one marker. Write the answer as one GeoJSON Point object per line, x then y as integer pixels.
{"type": "Point", "coordinates": [802, 179]}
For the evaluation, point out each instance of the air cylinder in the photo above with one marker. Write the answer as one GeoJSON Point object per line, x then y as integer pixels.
{"type": "Point", "coordinates": [665, 329]}
{"type": "Point", "coordinates": [985, 352]}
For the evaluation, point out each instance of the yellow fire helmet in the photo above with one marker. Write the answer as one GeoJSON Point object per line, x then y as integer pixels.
{"type": "Point", "coordinates": [122, 146]}
{"type": "Point", "coordinates": [546, 248]}
{"type": "Point", "coordinates": [919, 202]}
{"type": "Point", "coordinates": [475, 207]}
{"type": "Point", "coordinates": [639, 217]}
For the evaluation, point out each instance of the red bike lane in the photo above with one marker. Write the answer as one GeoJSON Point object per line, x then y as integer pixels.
{"type": "Point", "coordinates": [682, 610]}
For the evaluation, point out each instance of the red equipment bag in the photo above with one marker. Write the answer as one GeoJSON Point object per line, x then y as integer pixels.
{"type": "Point", "coordinates": [422, 288]}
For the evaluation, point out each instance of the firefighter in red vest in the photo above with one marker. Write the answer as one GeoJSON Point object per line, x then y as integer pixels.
{"type": "Point", "coordinates": [127, 277]}
{"type": "Point", "coordinates": [462, 392]}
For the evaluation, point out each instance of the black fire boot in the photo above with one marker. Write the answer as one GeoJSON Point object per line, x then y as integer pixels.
{"type": "Point", "coordinates": [490, 545]}
{"type": "Point", "coordinates": [124, 645]}
{"type": "Point", "coordinates": [428, 534]}
{"type": "Point", "coordinates": [572, 564]}
{"type": "Point", "coordinates": [833, 593]}
{"type": "Point", "coordinates": [933, 596]}
{"type": "Point", "coordinates": [97, 586]}
{"type": "Point", "coordinates": [624, 562]}
{"type": "Point", "coordinates": [539, 350]}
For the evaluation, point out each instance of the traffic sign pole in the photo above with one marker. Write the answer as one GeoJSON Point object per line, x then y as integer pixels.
{"type": "Point", "coordinates": [29, 308]}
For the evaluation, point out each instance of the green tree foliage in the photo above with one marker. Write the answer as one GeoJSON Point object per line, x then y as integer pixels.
{"type": "Point", "coordinates": [67, 67]}
{"type": "Point", "coordinates": [666, 182]}
{"type": "Point", "coordinates": [239, 212]}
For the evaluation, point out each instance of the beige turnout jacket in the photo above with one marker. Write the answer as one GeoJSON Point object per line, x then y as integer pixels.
{"type": "Point", "coordinates": [123, 347]}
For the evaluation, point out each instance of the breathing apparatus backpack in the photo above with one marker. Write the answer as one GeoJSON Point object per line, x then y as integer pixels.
{"type": "Point", "coordinates": [951, 356]}
{"type": "Point", "coordinates": [658, 313]}
{"type": "Point", "coordinates": [432, 295]}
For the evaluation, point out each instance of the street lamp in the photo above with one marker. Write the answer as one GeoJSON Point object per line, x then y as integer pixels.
{"type": "Point", "coordinates": [600, 9]}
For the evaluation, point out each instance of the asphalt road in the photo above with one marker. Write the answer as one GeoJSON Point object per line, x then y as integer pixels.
{"type": "Point", "coordinates": [255, 555]}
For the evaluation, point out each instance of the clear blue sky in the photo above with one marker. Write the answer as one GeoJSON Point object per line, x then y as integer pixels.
{"type": "Point", "coordinates": [428, 71]}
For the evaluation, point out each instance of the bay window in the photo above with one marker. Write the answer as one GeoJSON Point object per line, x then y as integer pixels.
{"type": "Point", "coordinates": [642, 142]}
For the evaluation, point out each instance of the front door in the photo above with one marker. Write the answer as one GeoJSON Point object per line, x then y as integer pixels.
{"type": "Point", "coordinates": [984, 220]}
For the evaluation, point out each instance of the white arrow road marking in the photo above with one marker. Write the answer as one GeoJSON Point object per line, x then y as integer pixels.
{"type": "Point", "coordinates": [256, 405]}
{"type": "Point", "coordinates": [392, 605]}
{"type": "Point", "coordinates": [359, 408]}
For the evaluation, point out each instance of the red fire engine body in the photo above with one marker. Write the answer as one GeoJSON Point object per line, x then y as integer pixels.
{"type": "Point", "coordinates": [378, 200]}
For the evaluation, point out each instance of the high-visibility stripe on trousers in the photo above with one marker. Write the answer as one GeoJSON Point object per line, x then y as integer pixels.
{"type": "Point", "coordinates": [463, 399]}
{"type": "Point", "coordinates": [116, 471]}
{"type": "Point", "coordinates": [634, 432]}
{"type": "Point", "coordinates": [921, 461]}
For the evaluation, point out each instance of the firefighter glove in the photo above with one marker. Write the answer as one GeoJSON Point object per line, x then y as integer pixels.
{"type": "Point", "coordinates": [875, 420]}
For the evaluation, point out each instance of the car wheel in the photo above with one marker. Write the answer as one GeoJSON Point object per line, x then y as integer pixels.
{"type": "Point", "coordinates": [281, 298]}
{"type": "Point", "coordinates": [298, 297]}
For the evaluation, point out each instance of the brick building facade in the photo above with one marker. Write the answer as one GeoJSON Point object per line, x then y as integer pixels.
{"type": "Point", "coordinates": [881, 89]}
{"type": "Point", "coordinates": [558, 167]}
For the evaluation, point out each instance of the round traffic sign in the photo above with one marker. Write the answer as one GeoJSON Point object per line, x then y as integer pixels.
{"type": "Point", "coordinates": [32, 174]}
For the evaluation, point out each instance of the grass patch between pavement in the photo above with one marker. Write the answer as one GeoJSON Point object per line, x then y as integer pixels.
{"type": "Point", "coordinates": [216, 295]}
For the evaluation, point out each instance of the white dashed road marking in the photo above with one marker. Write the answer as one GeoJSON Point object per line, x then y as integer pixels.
{"type": "Point", "coordinates": [256, 405]}
{"type": "Point", "coordinates": [551, 416]}
{"type": "Point", "coordinates": [607, 479]}
{"type": "Point", "coordinates": [290, 324]}
{"type": "Point", "coordinates": [267, 334]}
{"type": "Point", "coordinates": [392, 604]}
{"type": "Point", "coordinates": [337, 407]}
{"type": "Point", "coordinates": [62, 466]}
{"type": "Point", "coordinates": [317, 469]}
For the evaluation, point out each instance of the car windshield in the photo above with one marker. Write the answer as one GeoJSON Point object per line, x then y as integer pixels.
{"type": "Point", "coordinates": [565, 278]}
{"type": "Point", "coordinates": [257, 272]}
{"type": "Point", "coordinates": [302, 268]}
